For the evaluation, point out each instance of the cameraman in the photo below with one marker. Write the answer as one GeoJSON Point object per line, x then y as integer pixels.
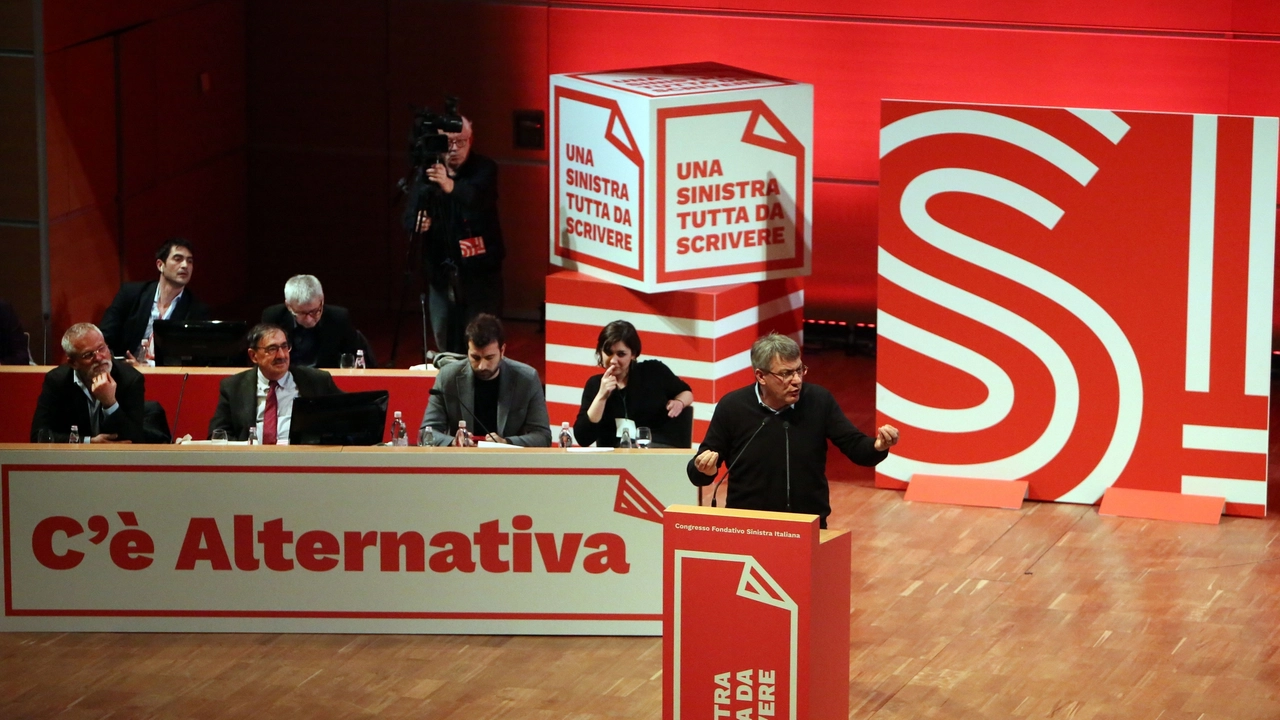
{"type": "Point", "coordinates": [462, 250]}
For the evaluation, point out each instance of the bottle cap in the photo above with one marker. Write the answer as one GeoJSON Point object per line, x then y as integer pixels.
{"type": "Point", "coordinates": [397, 414]}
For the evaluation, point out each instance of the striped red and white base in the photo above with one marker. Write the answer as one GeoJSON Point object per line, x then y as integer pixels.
{"type": "Point", "coordinates": [703, 335]}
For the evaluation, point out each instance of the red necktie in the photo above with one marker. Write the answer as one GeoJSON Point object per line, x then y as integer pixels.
{"type": "Point", "coordinates": [269, 416]}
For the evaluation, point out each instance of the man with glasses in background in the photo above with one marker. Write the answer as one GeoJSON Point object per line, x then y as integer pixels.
{"type": "Point", "coordinates": [772, 436]}
{"type": "Point", "coordinates": [457, 210]}
{"type": "Point", "coordinates": [262, 397]}
{"type": "Point", "coordinates": [319, 334]}
{"type": "Point", "coordinates": [101, 397]}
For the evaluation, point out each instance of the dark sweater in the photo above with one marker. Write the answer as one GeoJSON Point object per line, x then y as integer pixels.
{"type": "Point", "coordinates": [794, 439]}
{"type": "Point", "coordinates": [650, 385]}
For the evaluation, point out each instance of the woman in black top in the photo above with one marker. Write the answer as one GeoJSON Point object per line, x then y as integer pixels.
{"type": "Point", "coordinates": [646, 392]}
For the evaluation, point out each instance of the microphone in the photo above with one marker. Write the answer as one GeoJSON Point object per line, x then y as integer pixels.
{"type": "Point", "coordinates": [729, 468]}
{"type": "Point", "coordinates": [178, 411]}
{"type": "Point", "coordinates": [440, 394]}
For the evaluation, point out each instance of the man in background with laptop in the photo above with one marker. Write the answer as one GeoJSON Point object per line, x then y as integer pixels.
{"type": "Point", "coordinates": [262, 397]}
{"type": "Point", "coordinates": [129, 320]}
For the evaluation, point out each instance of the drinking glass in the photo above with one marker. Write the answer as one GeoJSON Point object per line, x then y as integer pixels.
{"type": "Point", "coordinates": [44, 436]}
{"type": "Point", "coordinates": [347, 360]}
{"type": "Point", "coordinates": [643, 437]}
{"type": "Point", "coordinates": [219, 436]}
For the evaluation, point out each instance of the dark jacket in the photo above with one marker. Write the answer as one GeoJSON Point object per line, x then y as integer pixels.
{"type": "Point", "coordinates": [237, 409]}
{"type": "Point", "coordinates": [650, 385]}
{"type": "Point", "coordinates": [471, 210]}
{"type": "Point", "coordinates": [126, 320]}
{"type": "Point", "coordinates": [784, 468]}
{"type": "Point", "coordinates": [522, 408]}
{"type": "Point", "coordinates": [13, 340]}
{"type": "Point", "coordinates": [62, 404]}
{"type": "Point", "coordinates": [330, 338]}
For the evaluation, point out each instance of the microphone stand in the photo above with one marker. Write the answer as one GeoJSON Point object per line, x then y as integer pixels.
{"type": "Point", "coordinates": [408, 187]}
{"type": "Point", "coordinates": [729, 467]}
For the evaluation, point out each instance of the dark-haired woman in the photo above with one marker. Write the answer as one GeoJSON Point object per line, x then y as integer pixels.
{"type": "Point", "coordinates": [647, 393]}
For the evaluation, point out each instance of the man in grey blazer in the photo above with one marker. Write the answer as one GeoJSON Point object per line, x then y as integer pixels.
{"type": "Point", "coordinates": [498, 397]}
{"type": "Point", "coordinates": [262, 397]}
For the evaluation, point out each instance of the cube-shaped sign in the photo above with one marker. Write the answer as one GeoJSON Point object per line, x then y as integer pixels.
{"type": "Point", "coordinates": [681, 177]}
{"type": "Point", "coordinates": [1077, 298]}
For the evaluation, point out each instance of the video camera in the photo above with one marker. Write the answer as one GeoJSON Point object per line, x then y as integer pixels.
{"type": "Point", "coordinates": [427, 144]}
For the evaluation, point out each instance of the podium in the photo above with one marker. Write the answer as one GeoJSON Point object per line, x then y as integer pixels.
{"type": "Point", "coordinates": [755, 616]}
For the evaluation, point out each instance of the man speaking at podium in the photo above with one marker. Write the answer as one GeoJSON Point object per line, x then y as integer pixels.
{"type": "Point", "coordinates": [772, 436]}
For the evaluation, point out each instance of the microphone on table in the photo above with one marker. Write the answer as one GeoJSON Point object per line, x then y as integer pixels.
{"type": "Point", "coordinates": [729, 468]}
{"type": "Point", "coordinates": [178, 411]}
{"type": "Point", "coordinates": [440, 394]}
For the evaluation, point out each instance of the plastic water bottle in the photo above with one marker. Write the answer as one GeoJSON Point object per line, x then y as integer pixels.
{"type": "Point", "coordinates": [625, 442]}
{"type": "Point", "coordinates": [399, 433]}
{"type": "Point", "coordinates": [463, 438]}
{"type": "Point", "coordinates": [426, 436]}
{"type": "Point", "coordinates": [253, 435]}
{"type": "Point", "coordinates": [359, 359]}
{"type": "Point", "coordinates": [566, 438]}
{"type": "Point", "coordinates": [144, 355]}
{"type": "Point", "coordinates": [74, 438]}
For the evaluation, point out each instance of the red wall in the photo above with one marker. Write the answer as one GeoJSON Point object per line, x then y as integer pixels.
{"type": "Point", "coordinates": [146, 135]}
{"type": "Point", "coordinates": [1174, 56]}
{"type": "Point", "coordinates": [308, 112]}
{"type": "Point", "coordinates": [1185, 56]}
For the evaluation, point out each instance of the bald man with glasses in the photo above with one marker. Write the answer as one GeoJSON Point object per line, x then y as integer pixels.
{"type": "Point", "coordinates": [262, 397]}
{"type": "Point", "coordinates": [772, 436]}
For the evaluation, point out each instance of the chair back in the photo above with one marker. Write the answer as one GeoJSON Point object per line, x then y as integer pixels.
{"type": "Point", "coordinates": [682, 427]}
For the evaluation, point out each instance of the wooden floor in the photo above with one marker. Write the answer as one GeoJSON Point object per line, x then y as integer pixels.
{"type": "Point", "coordinates": [1048, 612]}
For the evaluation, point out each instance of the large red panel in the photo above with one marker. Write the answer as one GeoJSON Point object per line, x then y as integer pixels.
{"type": "Point", "coordinates": [854, 65]}
{"type": "Point", "coordinates": [1067, 304]}
{"type": "Point", "coordinates": [183, 91]}
{"type": "Point", "coordinates": [206, 205]}
{"type": "Point", "coordinates": [19, 195]}
{"type": "Point", "coordinates": [326, 214]}
{"type": "Point", "coordinates": [319, 77]}
{"type": "Point", "coordinates": [84, 271]}
{"type": "Point", "coordinates": [522, 207]}
{"type": "Point", "coordinates": [492, 56]}
{"type": "Point", "coordinates": [1208, 16]}
{"type": "Point", "coordinates": [67, 22]}
{"type": "Point", "coordinates": [843, 283]}
{"type": "Point", "coordinates": [81, 127]}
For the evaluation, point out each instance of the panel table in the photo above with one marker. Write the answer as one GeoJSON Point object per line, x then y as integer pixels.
{"type": "Point", "coordinates": [365, 540]}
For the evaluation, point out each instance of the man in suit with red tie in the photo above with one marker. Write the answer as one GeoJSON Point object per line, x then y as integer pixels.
{"type": "Point", "coordinates": [262, 397]}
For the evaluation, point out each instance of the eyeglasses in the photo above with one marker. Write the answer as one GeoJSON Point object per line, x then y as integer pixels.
{"type": "Point", "coordinates": [459, 143]}
{"type": "Point", "coordinates": [309, 313]}
{"type": "Point", "coordinates": [786, 375]}
{"type": "Point", "coordinates": [90, 354]}
{"type": "Point", "coordinates": [273, 349]}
